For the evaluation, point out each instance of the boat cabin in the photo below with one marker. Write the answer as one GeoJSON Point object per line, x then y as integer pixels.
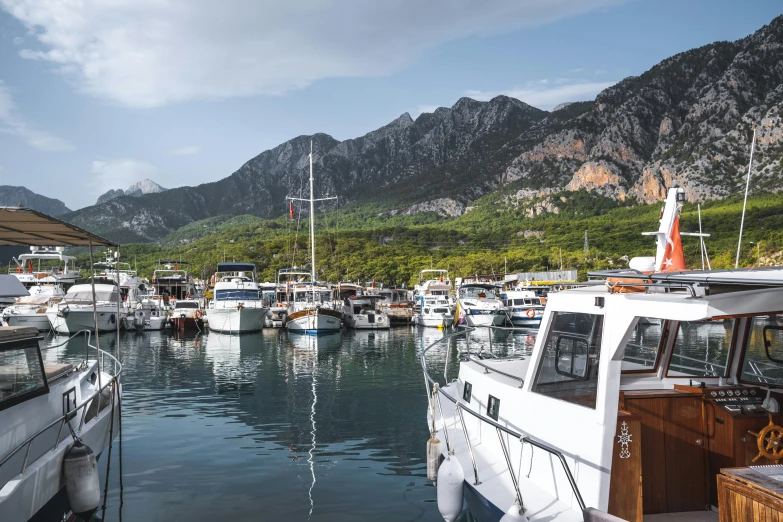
{"type": "Point", "coordinates": [171, 279]}
{"type": "Point", "coordinates": [478, 291]}
{"type": "Point", "coordinates": [648, 388]}
{"type": "Point", "coordinates": [518, 298]}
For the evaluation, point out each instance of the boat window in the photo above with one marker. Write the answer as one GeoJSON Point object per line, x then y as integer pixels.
{"type": "Point", "coordinates": [86, 295]}
{"type": "Point", "coordinates": [519, 302]}
{"type": "Point", "coordinates": [568, 369]}
{"type": "Point", "coordinates": [233, 295]}
{"type": "Point", "coordinates": [181, 304]}
{"type": "Point", "coordinates": [702, 348]}
{"type": "Point", "coordinates": [21, 375]}
{"type": "Point", "coordinates": [441, 311]}
{"type": "Point", "coordinates": [763, 361]}
{"type": "Point", "coordinates": [467, 392]}
{"type": "Point", "coordinates": [642, 350]}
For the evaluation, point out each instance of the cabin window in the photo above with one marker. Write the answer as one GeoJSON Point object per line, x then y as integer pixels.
{"type": "Point", "coordinates": [568, 369]}
{"type": "Point", "coordinates": [467, 392]}
{"type": "Point", "coordinates": [702, 349]}
{"type": "Point", "coordinates": [21, 374]}
{"type": "Point", "coordinates": [763, 361]}
{"type": "Point", "coordinates": [493, 407]}
{"type": "Point", "coordinates": [236, 295]}
{"type": "Point", "coordinates": [644, 346]}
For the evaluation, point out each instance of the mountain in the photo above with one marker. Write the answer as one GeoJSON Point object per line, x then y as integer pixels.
{"type": "Point", "coordinates": [20, 196]}
{"type": "Point", "coordinates": [145, 186]}
{"type": "Point", "coordinates": [687, 119]}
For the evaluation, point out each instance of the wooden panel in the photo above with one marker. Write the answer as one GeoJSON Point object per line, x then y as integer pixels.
{"type": "Point", "coordinates": [625, 491]}
{"type": "Point", "coordinates": [747, 496]}
{"type": "Point", "coordinates": [684, 441]}
{"type": "Point", "coordinates": [650, 411]}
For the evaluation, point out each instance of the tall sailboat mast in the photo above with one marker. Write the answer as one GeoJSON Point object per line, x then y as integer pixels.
{"type": "Point", "coordinates": [312, 226]}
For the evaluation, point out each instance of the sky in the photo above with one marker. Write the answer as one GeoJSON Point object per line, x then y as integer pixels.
{"type": "Point", "coordinates": [99, 94]}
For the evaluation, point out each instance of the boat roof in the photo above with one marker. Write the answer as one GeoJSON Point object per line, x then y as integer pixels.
{"type": "Point", "coordinates": [24, 226]}
{"type": "Point", "coordinates": [486, 286]}
{"type": "Point", "coordinates": [236, 267]}
{"type": "Point", "coordinates": [10, 286]}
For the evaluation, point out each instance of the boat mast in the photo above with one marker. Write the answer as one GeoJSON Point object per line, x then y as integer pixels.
{"type": "Point", "coordinates": [745, 201]}
{"type": "Point", "coordinates": [312, 226]}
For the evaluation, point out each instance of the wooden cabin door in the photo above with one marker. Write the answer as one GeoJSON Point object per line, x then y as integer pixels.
{"type": "Point", "coordinates": [674, 476]}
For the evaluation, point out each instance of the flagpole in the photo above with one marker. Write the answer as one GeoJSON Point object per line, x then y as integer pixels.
{"type": "Point", "coordinates": [745, 202]}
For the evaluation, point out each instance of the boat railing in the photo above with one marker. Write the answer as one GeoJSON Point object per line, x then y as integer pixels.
{"type": "Point", "coordinates": [437, 391]}
{"type": "Point", "coordinates": [67, 417]}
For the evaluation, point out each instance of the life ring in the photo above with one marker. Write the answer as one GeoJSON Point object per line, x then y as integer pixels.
{"type": "Point", "coordinates": [198, 314]}
{"type": "Point", "coordinates": [530, 313]}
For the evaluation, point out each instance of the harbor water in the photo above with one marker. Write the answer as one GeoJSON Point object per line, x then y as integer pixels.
{"type": "Point", "coordinates": [274, 425]}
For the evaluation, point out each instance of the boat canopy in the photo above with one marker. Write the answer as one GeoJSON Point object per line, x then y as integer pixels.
{"type": "Point", "coordinates": [10, 286]}
{"type": "Point", "coordinates": [24, 226]}
{"type": "Point", "coordinates": [236, 267]}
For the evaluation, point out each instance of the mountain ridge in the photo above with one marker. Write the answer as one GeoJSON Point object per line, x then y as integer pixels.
{"type": "Point", "coordinates": [686, 119]}
{"type": "Point", "coordinates": [145, 186]}
{"type": "Point", "coordinates": [12, 196]}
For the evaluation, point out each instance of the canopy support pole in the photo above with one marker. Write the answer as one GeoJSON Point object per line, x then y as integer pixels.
{"type": "Point", "coordinates": [95, 320]}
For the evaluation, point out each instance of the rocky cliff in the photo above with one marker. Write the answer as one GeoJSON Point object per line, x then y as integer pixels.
{"type": "Point", "coordinates": [688, 119]}
{"type": "Point", "coordinates": [146, 186]}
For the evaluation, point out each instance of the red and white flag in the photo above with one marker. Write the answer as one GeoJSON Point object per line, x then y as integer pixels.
{"type": "Point", "coordinates": [673, 257]}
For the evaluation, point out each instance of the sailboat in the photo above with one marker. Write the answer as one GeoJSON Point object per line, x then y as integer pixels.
{"type": "Point", "coordinates": [310, 310]}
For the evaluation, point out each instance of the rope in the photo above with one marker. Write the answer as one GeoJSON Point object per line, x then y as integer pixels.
{"type": "Point", "coordinates": [119, 432]}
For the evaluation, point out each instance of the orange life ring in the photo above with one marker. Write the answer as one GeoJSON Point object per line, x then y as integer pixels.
{"type": "Point", "coordinates": [530, 313]}
{"type": "Point", "coordinates": [198, 314]}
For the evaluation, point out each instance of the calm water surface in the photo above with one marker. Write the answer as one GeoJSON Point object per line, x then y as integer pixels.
{"type": "Point", "coordinates": [276, 426]}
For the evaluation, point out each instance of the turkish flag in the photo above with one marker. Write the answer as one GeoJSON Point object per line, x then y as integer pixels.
{"type": "Point", "coordinates": [291, 209]}
{"type": "Point", "coordinates": [673, 257]}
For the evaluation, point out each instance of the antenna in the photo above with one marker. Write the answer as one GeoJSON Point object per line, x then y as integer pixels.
{"type": "Point", "coordinates": [701, 238]}
{"type": "Point", "coordinates": [745, 202]}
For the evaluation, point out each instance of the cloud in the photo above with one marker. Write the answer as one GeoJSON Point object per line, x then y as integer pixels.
{"type": "Point", "coordinates": [148, 53]}
{"type": "Point", "coordinates": [118, 173]}
{"type": "Point", "coordinates": [18, 40]}
{"type": "Point", "coordinates": [15, 125]}
{"type": "Point", "coordinates": [539, 95]}
{"type": "Point", "coordinates": [190, 150]}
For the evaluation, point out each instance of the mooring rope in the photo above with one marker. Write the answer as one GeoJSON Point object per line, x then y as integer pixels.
{"type": "Point", "coordinates": [108, 458]}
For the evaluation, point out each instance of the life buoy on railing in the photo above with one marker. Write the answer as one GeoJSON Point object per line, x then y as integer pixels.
{"type": "Point", "coordinates": [530, 313]}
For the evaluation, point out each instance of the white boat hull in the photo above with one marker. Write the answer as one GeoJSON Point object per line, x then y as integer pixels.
{"type": "Point", "coordinates": [376, 321]}
{"type": "Point", "coordinates": [77, 320]}
{"type": "Point", "coordinates": [38, 321]}
{"type": "Point", "coordinates": [237, 320]}
{"type": "Point", "coordinates": [484, 318]}
{"type": "Point", "coordinates": [313, 323]}
{"type": "Point", "coordinates": [434, 321]}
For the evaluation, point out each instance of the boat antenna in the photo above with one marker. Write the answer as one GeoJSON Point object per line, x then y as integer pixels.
{"type": "Point", "coordinates": [745, 202]}
{"type": "Point", "coordinates": [312, 226]}
{"type": "Point", "coordinates": [701, 237]}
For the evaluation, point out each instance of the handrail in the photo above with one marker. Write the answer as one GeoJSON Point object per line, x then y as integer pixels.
{"type": "Point", "coordinates": [500, 427]}
{"type": "Point", "coordinates": [62, 420]}
{"type": "Point", "coordinates": [473, 359]}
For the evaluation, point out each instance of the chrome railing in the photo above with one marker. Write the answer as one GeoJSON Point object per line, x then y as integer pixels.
{"type": "Point", "coordinates": [437, 391]}
{"type": "Point", "coordinates": [67, 417]}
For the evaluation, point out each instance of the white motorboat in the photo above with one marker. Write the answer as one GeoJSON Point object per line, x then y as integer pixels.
{"type": "Point", "coordinates": [280, 302]}
{"type": "Point", "coordinates": [38, 402]}
{"type": "Point", "coordinates": [147, 315]}
{"type": "Point", "coordinates": [312, 309]}
{"type": "Point", "coordinates": [58, 268]}
{"type": "Point", "coordinates": [524, 307]}
{"type": "Point", "coordinates": [187, 315]}
{"type": "Point", "coordinates": [75, 312]}
{"type": "Point", "coordinates": [133, 289]}
{"type": "Point", "coordinates": [434, 311]}
{"type": "Point", "coordinates": [360, 312]}
{"type": "Point", "coordinates": [478, 305]}
{"type": "Point", "coordinates": [172, 282]}
{"type": "Point", "coordinates": [642, 396]}
{"type": "Point", "coordinates": [434, 282]}
{"type": "Point", "coordinates": [31, 310]}
{"type": "Point", "coordinates": [236, 306]}
{"type": "Point", "coordinates": [396, 303]}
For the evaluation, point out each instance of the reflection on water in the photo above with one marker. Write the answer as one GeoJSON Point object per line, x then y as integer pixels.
{"type": "Point", "coordinates": [271, 426]}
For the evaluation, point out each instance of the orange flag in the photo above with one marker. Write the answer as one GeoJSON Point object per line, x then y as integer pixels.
{"type": "Point", "coordinates": [291, 209]}
{"type": "Point", "coordinates": [673, 257]}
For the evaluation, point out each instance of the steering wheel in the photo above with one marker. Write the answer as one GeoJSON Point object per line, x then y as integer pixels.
{"type": "Point", "coordinates": [769, 441]}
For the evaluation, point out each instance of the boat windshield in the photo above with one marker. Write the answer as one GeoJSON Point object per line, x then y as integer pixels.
{"type": "Point", "coordinates": [186, 304]}
{"type": "Point", "coordinates": [477, 292]}
{"type": "Point", "coordinates": [321, 296]}
{"type": "Point", "coordinates": [763, 361]}
{"type": "Point", "coordinates": [21, 374]}
{"type": "Point", "coordinates": [86, 295]}
{"type": "Point", "coordinates": [236, 295]}
{"type": "Point", "coordinates": [642, 349]}
{"type": "Point", "coordinates": [702, 348]}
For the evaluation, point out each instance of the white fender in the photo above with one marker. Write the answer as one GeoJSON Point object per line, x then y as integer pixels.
{"type": "Point", "coordinates": [450, 483]}
{"type": "Point", "coordinates": [514, 514]}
